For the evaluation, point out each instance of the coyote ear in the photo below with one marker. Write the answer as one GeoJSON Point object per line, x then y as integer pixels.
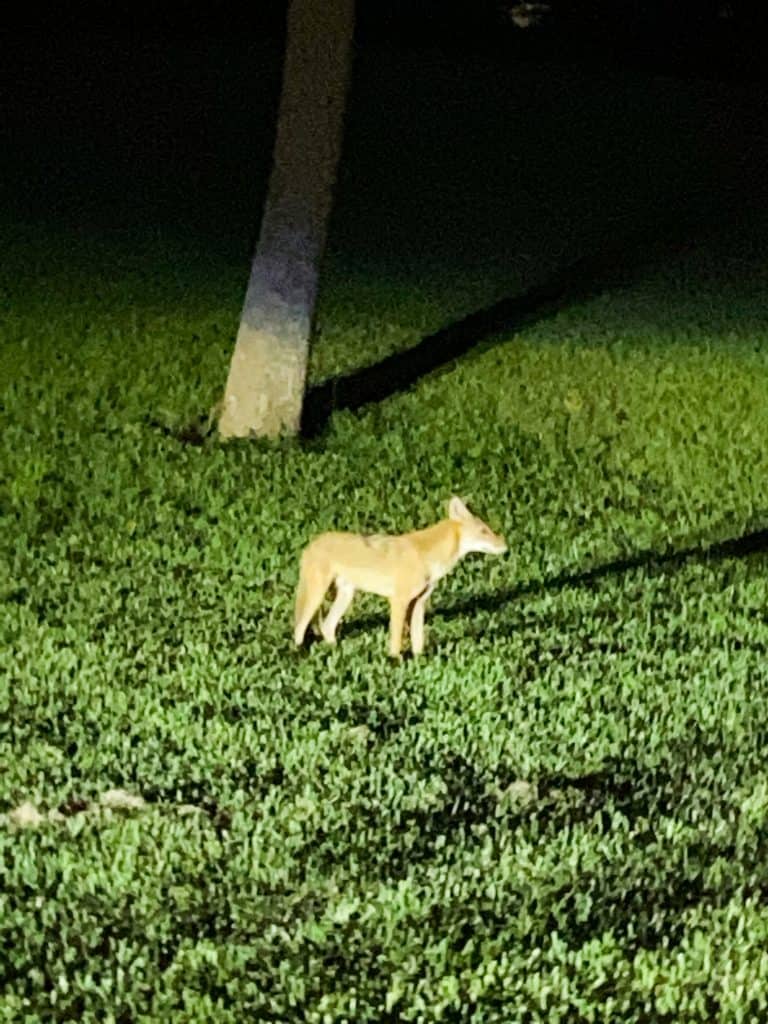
{"type": "Point", "coordinates": [457, 509]}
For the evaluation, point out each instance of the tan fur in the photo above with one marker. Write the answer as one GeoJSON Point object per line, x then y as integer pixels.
{"type": "Point", "coordinates": [402, 568]}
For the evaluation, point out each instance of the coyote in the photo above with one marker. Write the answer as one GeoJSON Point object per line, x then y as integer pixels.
{"type": "Point", "coordinates": [403, 568]}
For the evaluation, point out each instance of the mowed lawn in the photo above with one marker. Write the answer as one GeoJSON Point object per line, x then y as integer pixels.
{"type": "Point", "coordinates": [560, 812]}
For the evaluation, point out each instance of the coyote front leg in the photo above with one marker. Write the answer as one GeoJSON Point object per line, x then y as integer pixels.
{"type": "Point", "coordinates": [398, 606]}
{"type": "Point", "coordinates": [417, 621]}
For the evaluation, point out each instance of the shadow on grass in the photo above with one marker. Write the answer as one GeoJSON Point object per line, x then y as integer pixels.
{"type": "Point", "coordinates": [755, 542]}
{"type": "Point", "coordinates": [611, 265]}
{"type": "Point", "coordinates": [641, 900]}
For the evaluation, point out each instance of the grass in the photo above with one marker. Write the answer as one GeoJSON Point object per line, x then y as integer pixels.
{"type": "Point", "coordinates": [559, 813]}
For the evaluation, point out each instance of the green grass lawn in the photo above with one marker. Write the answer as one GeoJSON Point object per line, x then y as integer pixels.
{"type": "Point", "coordinates": [559, 813]}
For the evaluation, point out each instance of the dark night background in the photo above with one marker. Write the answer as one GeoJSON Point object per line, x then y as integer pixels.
{"type": "Point", "coordinates": [100, 81]}
{"type": "Point", "coordinates": [719, 38]}
{"type": "Point", "coordinates": [133, 119]}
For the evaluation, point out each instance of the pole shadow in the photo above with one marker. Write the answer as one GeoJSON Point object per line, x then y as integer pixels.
{"type": "Point", "coordinates": [612, 265]}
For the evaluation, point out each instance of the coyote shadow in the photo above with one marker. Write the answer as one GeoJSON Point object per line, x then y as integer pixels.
{"type": "Point", "coordinates": [610, 266]}
{"type": "Point", "coordinates": [755, 542]}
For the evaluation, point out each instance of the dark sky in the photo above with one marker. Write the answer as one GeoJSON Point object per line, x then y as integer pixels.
{"type": "Point", "coordinates": [122, 99]}
{"type": "Point", "coordinates": [721, 38]}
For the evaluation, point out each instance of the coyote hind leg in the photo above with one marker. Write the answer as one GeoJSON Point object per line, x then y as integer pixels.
{"type": "Point", "coordinates": [344, 594]}
{"type": "Point", "coordinates": [312, 587]}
